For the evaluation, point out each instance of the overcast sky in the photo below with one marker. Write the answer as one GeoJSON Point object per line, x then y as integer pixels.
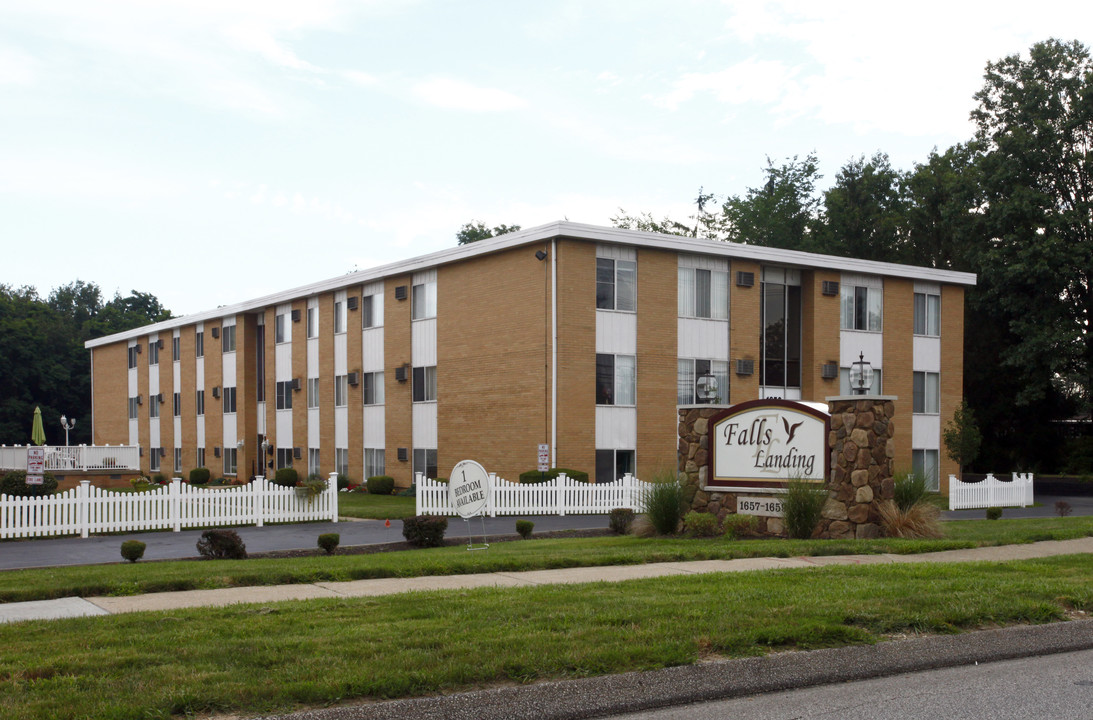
{"type": "Point", "coordinates": [212, 151]}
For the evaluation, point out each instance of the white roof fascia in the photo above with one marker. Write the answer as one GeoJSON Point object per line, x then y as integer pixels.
{"type": "Point", "coordinates": [557, 229]}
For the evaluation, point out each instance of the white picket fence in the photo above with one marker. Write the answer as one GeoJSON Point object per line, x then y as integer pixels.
{"type": "Point", "coordinates": [991, 492]}
{"type": "Point", "coordinates": [561, 496]}
{"type": "Point", "coordinates": [59, 458]}
{"type": "Point", "coordinates": [87, 509]}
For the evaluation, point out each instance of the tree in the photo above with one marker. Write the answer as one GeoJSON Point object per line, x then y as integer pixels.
{"type": "Point", "coordinates": [944, 210]}
{"type": "Point", "coordinates": [962, 437]}
{"type": "Point", "coordinates": [476, 230]}
{"type": "Point", "coordinates": [866, 212]}
{"type": "Point", "coordinates": [783, 213]}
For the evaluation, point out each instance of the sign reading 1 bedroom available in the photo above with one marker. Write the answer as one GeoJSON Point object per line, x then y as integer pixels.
{"type": "Point", "coordinates": [764, 443]}
{"type": "Point", "coordinates": [468, 488]}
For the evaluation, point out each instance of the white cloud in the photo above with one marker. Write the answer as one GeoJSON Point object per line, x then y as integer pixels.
{"type": "Point", "coordinates": [753, 80]}
{"type": "Point", "coordinates": [459, 95]}
{"type": "Point", "coordinates": [16, 67]}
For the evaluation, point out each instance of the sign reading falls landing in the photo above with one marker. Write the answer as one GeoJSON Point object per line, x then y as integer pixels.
{"type": "Point", "coordinates": [764, 443]}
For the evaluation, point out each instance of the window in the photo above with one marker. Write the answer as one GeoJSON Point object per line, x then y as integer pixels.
{"type": "Point", "coordinates": [178, 460]}
{"type": "Point", "coordinates": [861, 307]}
{"type": "Point", "coordinates": [200, 402]}
{"type": "Point", "coordinates": [424, 301]}
{"type": "Point", "coordinates": [229, 400]}
{"type": "Point", "coordinates": [153, 406]}
{"type": "Point", "coordinates": [374, 462]}
{"type": "Point", "coordinates": [199, 344]}
{"type": "Point", "coordinates": [176, 348]}
{"type": "Point", "coordinates": [424, 384]}
{"type": "Point", "coordinates": [616, 286]}
{"type": "Point", "coordinates": [133, 352]}
{"type": "Point", "coordinates": [372, 311]}
{"type": "Point", "coordinates": [703, 293]}
{"type": "Point", "coordinates": [425, 462]}
{"type": "Point", "coordinates": [228, 333]}
{"type": "Point", "coordinates": [927, 314]}
{"type": "Point", "coordinates": [372, 388]}
{"type": "Point", "coordinates": [339, 317]}
{"type": "Point", "coordinates": [153, 352]}
{"type": "Point", "coordinates": [284, 458]}
{"type": "Point", "coordinates": [341, 390]}
{"type": "Point", "coordinates": [201, 457]}
{"type": "Point", "coordinates": [924, 464]}
{"type": "Point", "coordinates": [615, 380]}
{"type": "Point", "coordinates": [926, 395]}
{"type": "Point", "coordinates": [691, 370]}
{"type": "Point", "coordinates": [877, 388]}
{"type": "Point", "coordinates": [611, 465]}
{"type": "Point", "coordinates": [341, 461]}
{"type": "Point", "coordinates": [781, 324]}
{"type": "Point", "coordinates": [284, 395]}
{"type": "Point", "coordinates": [312, 322]}
{"type": "Point", "coordinates": [312, 461]}
{"type": "Point", "coordinates": [313, 392]}
{"type": "Point", "coordinates": [153, 462]}
{"type": "Point", "coordinates": [178, 404]}
{"type": "Point", "coordinates": [134, 405]}
{"type": "Point", "coordinates": [279, 328]}
{"type": "Point", "coordinates": [230, 459]}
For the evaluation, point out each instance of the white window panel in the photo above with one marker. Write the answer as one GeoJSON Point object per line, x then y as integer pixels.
{"type": "Point", "coordinates": [423, 343]}
{"type": "Point", "coordinates": [372, 350]}
{"type": "Point", "coordinates": [375, 430]}
{"type": "Point", "coordinates": [852, 342]}
{"type": "Point", "coordinates": [616, 427]}
{"type": "Point", "coordinates": [617, 333]}
{"type": "Point", "coordinates": [424, 425]}
{"type": "Point", "coordinates": [927, 353]}
{"type": "Point", "coordinates": [702, 338]}
{"type": "Point", "coordinates": [926, 431]}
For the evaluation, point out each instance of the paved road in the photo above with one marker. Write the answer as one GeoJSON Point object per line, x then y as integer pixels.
{"type": "Point", "coordinates": [1080, 505]}
{"type": "Point", "coordinates": [168, 545]}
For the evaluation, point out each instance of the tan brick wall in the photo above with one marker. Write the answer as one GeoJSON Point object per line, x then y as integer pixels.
{"type": "Point", "coordinates": [899, 362]}
{"type": "Point", "coordinates": [144, 420]}
{"type": "Point", "coordinates": [299, 398]}
{"type": "Point", "coordinates": [820, 329]}
{"type": "Point", "coordinates": [398, 421]}
{"type": "Point", "coordinates": [167, 409]}
{"type": "Point", "coordinates": [110, 391]}
{"type": "Point", "coordinates": [657, 367]}
{"type": "Point", "coordinates": [744, 303]}
{"type": "Point", "coordinates": [214, 407]}
{"type": "Point", "coordinates": [246, 380]}
{"type": "Point", "coordinates": [353, 354]}
{"type": "Point", "coordinates": [952, 370]}
{"type": "Point", "coordinates": [576, 447]}
{"type": "Point", "coordinates": [326, 383]}
{"type": "Point", "coordinates": [188, 388]}
{"type": "Point", "coordinates": [493, 358]}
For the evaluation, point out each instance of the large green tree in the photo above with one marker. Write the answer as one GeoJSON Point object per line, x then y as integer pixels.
{"type": "Point", "coordinates": [783, 212]}
{"type": "Point", "coordinates": [477, 230]}
{"type": "Point", "coordinates": [865, 212]}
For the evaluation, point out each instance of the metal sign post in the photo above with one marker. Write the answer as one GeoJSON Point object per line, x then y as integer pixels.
{"type": "Point", "coordinates": [468, 494]}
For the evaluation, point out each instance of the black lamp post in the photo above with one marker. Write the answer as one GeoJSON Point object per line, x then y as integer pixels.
{"type": "Point", "coordinates": [706, 388]}
{"type": "Point", "coordinates": [861, 376]}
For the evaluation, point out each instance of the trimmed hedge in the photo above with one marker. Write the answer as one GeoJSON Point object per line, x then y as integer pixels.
{"type": "Point", "coordinates": [221, 545]}
{"type": "Point", "coordinates": [329, 542]}
{"type": "Point", "coordinates": [132, 550]}
{"type": "Point", "coordinates": [380, 485]}
{"type": "Point", "coordinates": [15, 484]}
{"type": "Point", "coordinates": [286, 477]}
{"type": "Point", "coordinates": [425, 530]}
{"type": "Point", "coordinates": [532, 477]}
{"type": "Point", "coordinates": [620, 520]}
{"type": "Point", "coordinates": [524, 527]}
{"type": "Point", "coordinates": [200, 476]}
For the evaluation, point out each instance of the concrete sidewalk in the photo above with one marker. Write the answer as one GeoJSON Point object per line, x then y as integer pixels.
{"type": "Point", "coordinates": [80, 607]}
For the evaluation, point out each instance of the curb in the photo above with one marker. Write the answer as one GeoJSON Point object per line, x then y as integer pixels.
{"type": "Point", "coordinates": [639, 691]}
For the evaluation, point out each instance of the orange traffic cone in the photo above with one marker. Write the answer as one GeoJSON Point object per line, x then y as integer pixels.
{"type": "Point", "coordinates": [387, 522]}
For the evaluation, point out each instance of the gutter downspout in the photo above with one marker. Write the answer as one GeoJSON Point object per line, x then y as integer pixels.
{"type": "Point", "coordinates": [554, 353]}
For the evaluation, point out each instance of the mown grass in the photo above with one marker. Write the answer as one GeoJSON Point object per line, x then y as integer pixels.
{"type": "Point", "coordinates": [268, 658]}
{"type": "Point", "coordinates": [131, 579]}
{"type": "Point", "coordinates": [375, 507]}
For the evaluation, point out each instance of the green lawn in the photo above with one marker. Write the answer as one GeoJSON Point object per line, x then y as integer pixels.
{"type": "Point", "coordinates": [375, 507]}
{"type": "Point", "coordinates": [284, 656]}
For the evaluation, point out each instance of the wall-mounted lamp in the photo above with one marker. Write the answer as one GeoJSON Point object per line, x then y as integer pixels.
{"type": "Point", "coordinates": [540, 255]}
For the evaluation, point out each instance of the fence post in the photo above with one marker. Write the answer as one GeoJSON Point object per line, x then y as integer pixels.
{"type": "Point", "coordinates": [332, 495]}
{"type": "Point", "coordinates": [81, 504]}
{"type": "Point", "coordinates": [174, 504]}
{"type": "Point", "coordinates": [258, 497]}
{"type": "Point", "coordinates": [491, 498]}
{"type": "Point", "coordinates": [560, 484]}
{"type": "Point", "coordinates": [419, 493]}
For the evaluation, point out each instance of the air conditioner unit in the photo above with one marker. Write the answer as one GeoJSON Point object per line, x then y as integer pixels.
{"type": "Point", "coordinates": [295, 316]}
{"type": "Point", "coordinates": [400, 292]}
{"type": "Point", "coordinates": [402, 454]}
{"type": "Point", "coordinates": [159, 343]}
{"type": "Point", "coordinates": [216, 451]}
{"type": "Point", "coordinates": [354, 378]}
{"type": "Point", "coordinates": [297, 453]}
{"type": "Point", "coordinates": [830, 371]}
{"type": "Point", "coordinates": [139, 349]}
{"type": "Point", "coordinates": [830, 287]}
{"type": "Point", "coordinates": [296, 384]}
{"type": "Point", "coordinates": [140, 451]}
{"type": "Point", "coordinates": [745, 279]}
{"type": "Point", "coordinates": [140, 399]}
{"type": "Point", "coordinates": [400, 373]}
{"type": "Point", "coordinates": [351, 302]}
{"type": "Point", "coordinates": [745, 367]}
{"type": "Point", "coordinates": [216, 332]}
{"type": "Point", "coordinates": [160, 398]}
{"type": "Point", "coordinates": [162, 452]}
{"type": "Point", "coordinates": [216, 391]}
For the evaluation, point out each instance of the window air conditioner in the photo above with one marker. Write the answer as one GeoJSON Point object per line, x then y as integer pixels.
{"type": "Point", "coordinates": [830, 287]}
{"type": "Point", "coordinates": [216, 391]}
{"type": "Point", "coordinates": [745, 279]}
{"type": "Point", "coordinates": [830, 371]}
{"type": "Point", "coordinates": [402, 454]}
{"type": "Point", "coordinates": [400, 292]}
{"type": "Point", "coordinates": [216, 332]}
{"type": "Point", "coordinates": [351, 302]}
{"type": "Point", "coordinates": [295, 316]}
{"type": "Point", "coordinates": [745, 367]}
{"type": "Point", "coordinates": [354, 378]}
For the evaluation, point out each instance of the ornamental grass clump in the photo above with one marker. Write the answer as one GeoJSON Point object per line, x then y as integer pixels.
{"type": "Point", "coordinates": [910, 488]}
{"type": "Point", "coordinates": [910, 514]}
{"type": "Point", "coordinates": [662, 503]}
{"type": "Point", "coordinates": [803, 505]}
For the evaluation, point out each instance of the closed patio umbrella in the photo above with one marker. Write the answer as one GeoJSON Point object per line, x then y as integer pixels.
{"type": "Point", "coordinates": [37, 432]}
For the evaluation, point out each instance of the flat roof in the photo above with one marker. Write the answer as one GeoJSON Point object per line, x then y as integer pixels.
{"type": "Point", "coordinates": [562, 230]}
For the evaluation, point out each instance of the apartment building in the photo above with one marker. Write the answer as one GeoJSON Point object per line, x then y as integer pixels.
{"type": "Point", "coordinates": [581, 338]}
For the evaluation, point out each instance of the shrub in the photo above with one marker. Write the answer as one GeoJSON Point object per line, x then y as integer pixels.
{"type": "Point", "coordinates": [199, 476]}
{"type": "Point", "coordinates": [697, 524]}
{"type": "Point", "coordinates": [221, 544]}
{"type": "Point", "coordinates": [803, 505]}
{"type": "Point", "coordinates": [1062, 507]}
{"type": "Point", "coordinates": [736, 525]}
{"type": "Point", "coordinates": [918, 521]}
{"type": "Point", "coordinates": [132, 550]}
{"type": "Point", "coordinates": [663, 503]}
{"type": "Point", "coordinates": [140, 482]}
{"type": "Point", "coordinates": [343, 481]}
{"type": "Point", "coordinates": [315, 485]}
{"type": "Point", "coordinates": [524, 527]}
{"type": "Point", "coordinates": [620, 520]}
{"type": "Point", "coordinates": [286, 477]}
{"type": "Point", "coordinates": [15, 484]}
{"type": "Point", "coordinates": [910, 488]}
{"type": "Point", "coordinates": [993, 513]}
{"type": "Point", "coordinates": [159, 479]}
{"type": "Point", "coordinates": [329, 542]}
{"type": "Point", "coordinates": [380, 485]}
{"type": "Point", "coordinates": [408, 492]}
{"type": "Point", "coordinates": [425, 530]}
{"type": "Point", "coordinates": [532, 477]}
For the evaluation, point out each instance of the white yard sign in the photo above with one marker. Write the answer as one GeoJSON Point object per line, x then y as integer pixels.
{"type": "Point", "coordinates": [36, 465]}
{"type": "Point", "coordinates": [468, 488]}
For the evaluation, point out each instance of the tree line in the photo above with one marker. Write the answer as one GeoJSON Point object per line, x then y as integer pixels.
{"type": "Point", "coordinates": [43, 362]}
